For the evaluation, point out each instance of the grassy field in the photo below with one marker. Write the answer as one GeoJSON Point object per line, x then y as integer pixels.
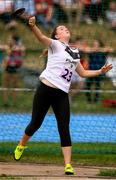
{"type": "Point", "coordinates": [98, 154]}
{"type": "Point", "coordinates": [106, 172]}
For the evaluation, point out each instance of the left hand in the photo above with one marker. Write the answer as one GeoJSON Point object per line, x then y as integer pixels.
{"type": "Point", "coordinates": [32, 21]}
{"type": "Point", "coordinates": [106, 68]}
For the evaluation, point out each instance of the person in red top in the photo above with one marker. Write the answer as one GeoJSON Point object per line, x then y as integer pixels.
{"type": "Point", "coordinates": [44, 13]}
{"type": "Point", "coordinates": [12, 64]}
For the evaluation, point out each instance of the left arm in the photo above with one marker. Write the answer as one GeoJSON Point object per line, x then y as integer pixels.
{"type": "Point", "coordinates": [91, 73]}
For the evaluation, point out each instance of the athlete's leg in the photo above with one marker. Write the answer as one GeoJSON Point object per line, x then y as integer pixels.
{"type": "Point", "coordinates": [60, 105]}
{"type": "Point", "coordinates": [41, 104]}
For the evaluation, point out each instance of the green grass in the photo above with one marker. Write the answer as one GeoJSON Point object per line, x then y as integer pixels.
{"type": "Point", "coordinates": [5, 177]}
{"type": "Point", "coordinates": [98, 154]}
{"type": "Point", "coordinates": [108, 172]}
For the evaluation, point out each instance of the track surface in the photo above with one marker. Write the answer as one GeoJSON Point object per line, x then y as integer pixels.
{"type": "Point", "coordinates": [47, 171]}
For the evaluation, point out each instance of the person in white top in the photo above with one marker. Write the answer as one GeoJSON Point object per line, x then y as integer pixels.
{"type": "Point", "coordinates": [54, 87]}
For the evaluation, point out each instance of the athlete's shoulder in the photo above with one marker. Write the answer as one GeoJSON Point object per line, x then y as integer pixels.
{"type": "Point", "coordinates": [55, 42]}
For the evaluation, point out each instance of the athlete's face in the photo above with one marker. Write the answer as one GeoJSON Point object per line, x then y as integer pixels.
{"type": "Point", "coordinates": [62, 33]}
{"type": "Point", "coordinates": [96, 44]}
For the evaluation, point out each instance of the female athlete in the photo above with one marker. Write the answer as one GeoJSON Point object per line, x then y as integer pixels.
{"type": "Point", "coordinates": [53, 89]}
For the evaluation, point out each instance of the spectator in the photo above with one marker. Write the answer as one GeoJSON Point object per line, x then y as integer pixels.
{"type": "Point", "coordinates": [6, 7]}
{"type": "Point", "coordinates": [111, 15]}
{"type": "Point", "coordinates": [96, 11]}
{"type": "Point", "coordinates": [78, 82]}
{"type": "Point", "coordinates": [112, 74]}
{"type": "Point", "coordinates": [93, 11]}
{"type": "Point", "coordinates": [86, 8]}
{"type": "Point", "coordinates": [80, 8]}
{"type": "Point", "coordinates": [12, 65]}
{"type": "Point", "coordinates": [2, 49]}
{"type": "Point", "coordinates": [70, 8]}
{"type": "Point", "coordinates": [59, 11]}
{"type": "Point", "coordinates": [45, 14]}
{"type": "Point", "coordinates": [97, 56]}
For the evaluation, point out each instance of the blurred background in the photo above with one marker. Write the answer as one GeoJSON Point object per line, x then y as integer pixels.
{"type": "Point", "coordinates": [22, 59]}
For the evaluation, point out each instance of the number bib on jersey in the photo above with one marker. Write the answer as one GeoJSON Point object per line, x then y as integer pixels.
{"type": "Point", "coordinates": [66, 74]}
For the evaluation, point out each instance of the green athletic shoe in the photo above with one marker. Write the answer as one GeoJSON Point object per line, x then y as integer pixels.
{"type": "Point", "coordinates": [69, 170]}
{"type": "Point", "coordinates": [18, 152]}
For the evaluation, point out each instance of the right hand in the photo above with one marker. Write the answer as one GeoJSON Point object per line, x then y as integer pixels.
{"type": "Point", "coordinates": [32, 21]}
{"type": "Point", "coordinates": [106, 68]}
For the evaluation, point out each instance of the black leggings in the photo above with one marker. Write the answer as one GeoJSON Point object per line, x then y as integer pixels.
{"type": "Point", "coordinates": [45, 97]}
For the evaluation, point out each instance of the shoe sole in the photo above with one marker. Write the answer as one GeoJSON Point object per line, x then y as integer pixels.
{"type": "Point", "coordinates": [69, 173]}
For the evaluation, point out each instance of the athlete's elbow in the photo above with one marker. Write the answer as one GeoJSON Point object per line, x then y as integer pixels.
{"type": "Point", "coordinates": [81, 71]}
{"type": "Point", "coordinates": [82, 74]}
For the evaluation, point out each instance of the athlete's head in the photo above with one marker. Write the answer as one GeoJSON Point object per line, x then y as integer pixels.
{"type": "Point", "coordinates": [14, 40]}
{"type": "Point", "coordinates": [61, 33]}
{"type": "Point", "coordinates": [98, 43]}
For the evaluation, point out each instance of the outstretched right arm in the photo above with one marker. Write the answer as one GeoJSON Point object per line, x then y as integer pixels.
{"type": "Point", "coordinates": [40, 36]}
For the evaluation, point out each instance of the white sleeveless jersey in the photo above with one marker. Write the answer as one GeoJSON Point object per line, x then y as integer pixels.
{"type": "Point", "coordinates": [61, 64]}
